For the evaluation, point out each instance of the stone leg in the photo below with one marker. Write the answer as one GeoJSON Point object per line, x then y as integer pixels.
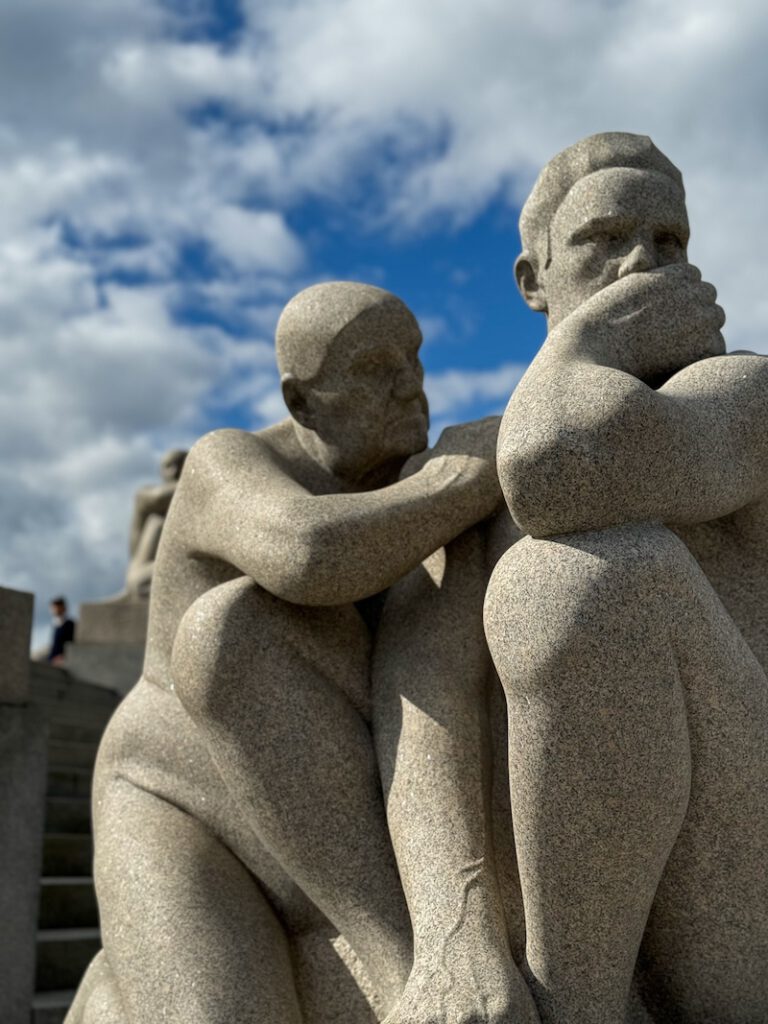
{"type": "Point", "coordinates": [188, 936]}
{"type": "Point", "coordinates": [98, 998]}
{"type": "Point", "coordinates": [280, 694]}
{"type": "Point", "coordinates": [638, 777]}
{"type": "Point", "coordinates": [434, 744]}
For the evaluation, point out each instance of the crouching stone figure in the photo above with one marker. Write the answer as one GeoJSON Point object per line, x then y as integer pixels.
{"type": "Point", "coordinates": [629, 628]}
{"type": "Point", "coordinates": [244, 868]}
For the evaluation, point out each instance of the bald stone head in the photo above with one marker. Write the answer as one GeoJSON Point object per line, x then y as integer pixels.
{"type": "Point", "coordinates": [333, 314]}
{"type": "Point", "coordinates": [172, 464]}
{"type": "Point", "coordinates": [351, 376]}
{"type": "Point", "coordinates": [615, 178]}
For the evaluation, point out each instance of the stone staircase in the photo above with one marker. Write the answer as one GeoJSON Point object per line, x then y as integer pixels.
{"type": "Point", "coordinates": [68, 922]}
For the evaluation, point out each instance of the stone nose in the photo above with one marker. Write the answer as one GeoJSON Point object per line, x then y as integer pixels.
{"type": "Point", "coordinates": [639, 259]}
{"type": "Point", "coordinates": [407, 384]}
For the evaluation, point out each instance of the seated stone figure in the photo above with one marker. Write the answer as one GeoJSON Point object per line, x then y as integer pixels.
{"type": "Point", "coordinates": [150, 507]}
{"type": "Point", "coordinates": [629, 628]}
{"type": "Point", "coordinates": [243, 864]}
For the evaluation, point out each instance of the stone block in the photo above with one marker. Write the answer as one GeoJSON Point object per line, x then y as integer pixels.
{"type": "Point", "coordinates": [15, 625]}
{"type": "Point", "coordinates": [22, 804]}
{"type": "Point", "coordinates": [114, 666]}
{"type": "Point", "coordinates": [113, 622]}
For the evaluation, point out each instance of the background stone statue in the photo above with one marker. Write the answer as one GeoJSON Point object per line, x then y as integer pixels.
{"type": "Point", "coordinates": [243, 865]}
{"type": "Point", "coordinates": [150, 507]}
{"type": "Point", "coordinates": [629, 628]}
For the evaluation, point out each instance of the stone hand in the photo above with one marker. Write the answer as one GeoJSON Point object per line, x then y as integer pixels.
{"type": "Point", "coordinates": [472, 985]}
{"type": "Point", "coordinates": [648, 324]}
{"type": "Point", "coordinates": [464, 456]}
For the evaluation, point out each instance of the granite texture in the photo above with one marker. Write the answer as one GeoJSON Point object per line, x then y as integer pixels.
{"type": "Point", "coordinates": [23, 762]}
{"type": "Point", "coordinates": [150, 507]}
{"type": "Point", "coordinates": [628, 628]}
{"type": "Point", "coordinates": [114, 666]}
{"type": "Point", "coordinates": [244, 866]}
{"type": "Point", "coordinates": [15, 624]}
{"type": "Point", "coordinates": [112, 622]}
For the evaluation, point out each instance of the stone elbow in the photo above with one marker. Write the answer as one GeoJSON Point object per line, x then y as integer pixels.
{"type": "Point", "coordinates": [531, 487]}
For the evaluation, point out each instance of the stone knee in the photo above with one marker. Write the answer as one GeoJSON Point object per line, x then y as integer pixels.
{"type": "Point", "coordinates": [600, 598]}
{"type": "Point", "coordinates": [217, 646]}
{"type": "Point", "coordinates": [238, 641]}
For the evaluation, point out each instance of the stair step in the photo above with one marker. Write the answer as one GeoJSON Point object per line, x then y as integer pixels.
{"type": "Point", "coordinates": [68, 901]}
{"type": "Point", "coordinates": [77, 753]}
{"type": "Point", "coordinates": [51, 1007]}
{"type": "Point", "coordinates": [74, 712]}
{"type": "Point", "coordinates": [57, 685]}
{"type": "Point", "coordinates": [63, 955]}
{"type": "Point", "coordinates": [65, 854]}
{"type": "Point", "coordinates": [66, 780]}
{"type": "Point", "coordinates": [68, 814]}
{"type": "Point", "coordinates": [84, 732]}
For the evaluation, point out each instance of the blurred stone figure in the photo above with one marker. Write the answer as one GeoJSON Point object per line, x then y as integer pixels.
{"type": "Point", "coordinates": [629, 629]}
{"type": "Point", "coordinates": [244, 866]}
{"type": "Point", "coordinates": [150, 508]}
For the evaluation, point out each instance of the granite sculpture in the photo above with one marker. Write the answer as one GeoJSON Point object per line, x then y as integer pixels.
{"type": "Point", "coordinates": [150, 507]}
{"type": "Point", "coordinates": [111, 634]}
{"type": "Point", "coordinates": [244, 867]}
{"type": "Point", "coordinates": [629, 627]}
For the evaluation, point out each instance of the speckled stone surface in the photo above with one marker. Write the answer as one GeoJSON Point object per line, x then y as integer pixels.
{"type": "Point", "coordinates": [244, 868]}
{"type": "Point", "coordinates": [23, 761]}
{"type": "Point", "coordinates": [15, 624]}
{"type": "Point", "coordinates": [629, 628]}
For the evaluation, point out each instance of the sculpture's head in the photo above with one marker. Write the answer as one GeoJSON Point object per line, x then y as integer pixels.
{"type": "Point", "coordinates": [172, 464]}
{"type": "Point", "coordinates": [348, 356]}
{"type": "Point", "coordinates": [607, 206]}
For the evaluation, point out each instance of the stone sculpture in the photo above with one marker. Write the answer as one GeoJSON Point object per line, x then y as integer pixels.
{"type": "Point", "coordinates": [629, 628]}
{"type": "Point", "coordinates": [150, 507]}
{"type": "Point", "coordinates": [243, 863]}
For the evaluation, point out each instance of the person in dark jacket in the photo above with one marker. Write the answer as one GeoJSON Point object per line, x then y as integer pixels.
{"type": "Point", "coordinates": [63, 630]}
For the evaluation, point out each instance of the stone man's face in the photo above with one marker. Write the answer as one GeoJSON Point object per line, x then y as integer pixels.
{"type": "Point", "coordinates": [369, 397]}
{"type": "Point", "coordinates": [612, 223]}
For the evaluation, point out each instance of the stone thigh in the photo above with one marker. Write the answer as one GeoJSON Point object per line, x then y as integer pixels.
{"type": "Point", "coordinates": [187, 931]}
{"type": "Point", "coordinates": [705, 953]}
{"type": "Point", "coordinates": [639, 719]}
{"type": "Point", "coordinates": [189, 898]}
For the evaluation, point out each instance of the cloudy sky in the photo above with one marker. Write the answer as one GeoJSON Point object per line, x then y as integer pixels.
{"type": "Point", "coordinates": [172, 171]}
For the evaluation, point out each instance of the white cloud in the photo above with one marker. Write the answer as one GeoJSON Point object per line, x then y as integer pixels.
{"type": "Point", "coordinates": [454, 391]}
{"type": "Point", "coordinates": [253, 240]}
{"type": "Point", "coordinates": [413, 109]}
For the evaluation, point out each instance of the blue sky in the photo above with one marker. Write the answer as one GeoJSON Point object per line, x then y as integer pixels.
{"type": "Point", "coordinates": [172, 171]}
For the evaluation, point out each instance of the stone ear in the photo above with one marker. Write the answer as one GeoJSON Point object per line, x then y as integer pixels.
{"type": "Point", "coordinates": [528, 282]}
{"type": "Point", "coordinates": [296, 397]}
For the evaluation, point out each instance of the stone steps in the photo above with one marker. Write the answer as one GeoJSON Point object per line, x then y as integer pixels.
{"type": "Point", "coordinates": [70, 814]}
{"type": "Point", "coordinates": [68, 924]}
{"type": "Point", "coordinates": [51, 1007]}
{"type": "Point", "coordinates": [78, 753]}
{"type": "Point", "coordinates": [63, 954]}
{"type": "Point", "coordinates": [70, 899]}
{"type": "Point", "coordinates": [73, 731]}
{"type": "Point", "coordinates": [65, 780]}
{"type": "Point", "coordinates": [67, 853]}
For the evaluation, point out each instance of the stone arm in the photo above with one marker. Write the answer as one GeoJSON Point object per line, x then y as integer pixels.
{"type": "Point", "coordinates": [587, 441]}
{"type": "Point", "coordinates": [585, 446]}
{"type": "Point", "coordinates": [334, 548]}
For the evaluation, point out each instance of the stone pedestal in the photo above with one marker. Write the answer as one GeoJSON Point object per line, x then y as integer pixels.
{"type": "Point", "coordinates": [109, 644]}
{"type": "Point", "coordinates": [23, 764]}
{"type": "Point", "coordinates": [113, 622]}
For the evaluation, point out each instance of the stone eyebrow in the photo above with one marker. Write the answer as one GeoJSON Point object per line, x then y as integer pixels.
{"type": "Point", "coordinates": [594, 224]}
